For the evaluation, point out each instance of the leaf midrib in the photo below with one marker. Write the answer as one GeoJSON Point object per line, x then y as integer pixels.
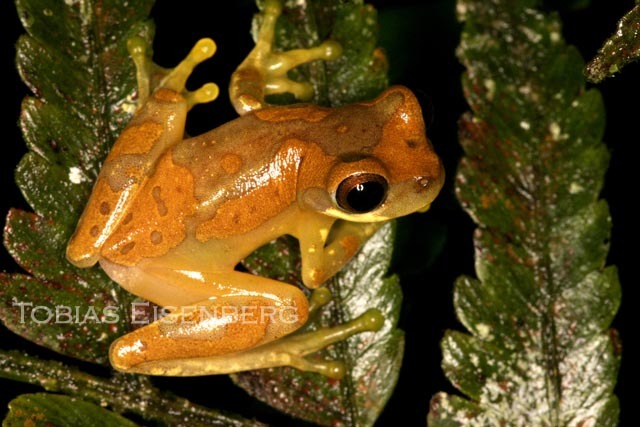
{"type": "Point", "coordinates": [544, 280]}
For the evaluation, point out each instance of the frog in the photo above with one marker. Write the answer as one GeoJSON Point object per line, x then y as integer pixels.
{"type": "Point", "coordinates": [170, 216]}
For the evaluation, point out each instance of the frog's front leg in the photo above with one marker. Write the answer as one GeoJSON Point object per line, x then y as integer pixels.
{"type": "Point", "coordinates": [157, 125]}
{"type": "Point", "coordinates": [327, 244]}
{"type": "Point", "coordinates": [264, 71]}
{"type": "Point", "coordinates": [240, 326]}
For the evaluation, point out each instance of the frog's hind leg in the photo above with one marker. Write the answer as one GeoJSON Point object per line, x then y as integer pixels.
{"type": "Point", "coordinates": [287, 351]}
{"type": "Point", "coordinates": [226, 322]}
{"type": "Point", "coordinates": [157, 125]}
{"type": "Point", "coordinates": [211, 314]}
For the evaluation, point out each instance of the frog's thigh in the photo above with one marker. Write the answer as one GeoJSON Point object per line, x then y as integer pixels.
{"type": "Point", "coordinates": [231, 312]}
{"type": "Point", "coordinates": [176, 287]}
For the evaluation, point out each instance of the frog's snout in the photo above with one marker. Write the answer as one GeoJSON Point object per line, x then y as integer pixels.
{"type": "Point", "coordinates": [428, 186]}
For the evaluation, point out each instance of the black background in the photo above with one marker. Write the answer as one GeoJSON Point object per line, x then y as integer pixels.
{"type": "Point", "coordinates": [421, 37]}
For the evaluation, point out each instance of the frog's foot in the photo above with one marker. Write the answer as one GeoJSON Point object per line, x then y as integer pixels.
{"type": "Point", "coordinates": [264, 72]}
{"type": "Point", "coordinates": [152, 78]}
{"type": "Point", "coordinates": [291, 350]}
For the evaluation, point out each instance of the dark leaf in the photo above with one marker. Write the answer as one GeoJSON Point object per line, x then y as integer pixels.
{"type": "Point", "coordinates": [620, 49]}
{"type": "Point", "coordinates": [43, 409]}
{"type": "Point", "coordinates": [130, 394]}
{"type": "Point", "coordinates": [539, 352]}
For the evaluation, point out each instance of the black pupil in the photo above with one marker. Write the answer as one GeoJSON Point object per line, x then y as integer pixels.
{"type": "Point", "coordinates": [365, 196]}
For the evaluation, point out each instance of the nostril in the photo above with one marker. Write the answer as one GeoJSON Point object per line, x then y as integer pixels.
{"type": "Point", "coordinates": [423, 182]}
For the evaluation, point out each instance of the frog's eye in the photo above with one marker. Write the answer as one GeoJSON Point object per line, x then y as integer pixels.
{"type": "Point", "coordinates": [361, 193]}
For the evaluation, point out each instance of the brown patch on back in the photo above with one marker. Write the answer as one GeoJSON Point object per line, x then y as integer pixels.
{"type": "Point", "coordinates": [342, 129]}
{"type": "Point", "coordinates": [138, 139]}
{"type": "Point", "coordinates": [156, 237]}
{"type": "Point", "coordinates": [127, 219]}
{"type": "Point", "coordinates": [104, 208]}
{"type": "Point", "coordinates": [161, 206]}
{"type": "Point", "coordinates": [152, 233]}
{"type": "Point", "coordinates": [352, 129]}
{"type": "Point", "coordinates": [231, 163]}
{"type": "Point", "coordinates": [310, 114]}
{"type": "Point", "coordinates": [167, 95]}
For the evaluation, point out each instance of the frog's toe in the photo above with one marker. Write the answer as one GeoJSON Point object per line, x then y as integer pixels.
{"type": "Point", "coordinates": [176, 78]}
{"type": "Point", "coordinates": [319, 297]}
{"type": "Point", "coordinates": [279, 64]}
{"type": "Point", "coordinates": [276, 85]}
{"type": "Point", "coordinates": [137, 48]}
{"type": "Point", "coordinates": [330, 50]}
{"type": "Point", "coordinates": [152, 78]}
{"type": "Point", "coordinates": [329, 368]}
{"type": "Point", "coordinates": [206, 93]}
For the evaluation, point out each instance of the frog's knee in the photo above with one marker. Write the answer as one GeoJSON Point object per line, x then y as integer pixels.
{"type": "Point", "coordinates": [289, 316]}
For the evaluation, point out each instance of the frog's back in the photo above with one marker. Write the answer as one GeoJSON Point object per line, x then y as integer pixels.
{"type": "Point", "coordinates": [223, 183]}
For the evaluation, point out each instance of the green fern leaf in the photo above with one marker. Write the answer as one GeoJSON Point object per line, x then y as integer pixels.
{"type": "Point", "coordinates": [539, 352]}
{"type": "Point", "coordinates": [43, 409]}
{"type": "Point", "coordinates": [620, 49]}
{"type": "Point", "coordinates": [74, 60]}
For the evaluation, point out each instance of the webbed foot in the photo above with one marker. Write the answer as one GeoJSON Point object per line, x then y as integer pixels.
{"type": "Point", "coordinates": [153, 78]}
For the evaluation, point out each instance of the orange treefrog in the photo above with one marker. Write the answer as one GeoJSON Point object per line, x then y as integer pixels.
{"type": "Point", "coordinates": [170, 217]}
